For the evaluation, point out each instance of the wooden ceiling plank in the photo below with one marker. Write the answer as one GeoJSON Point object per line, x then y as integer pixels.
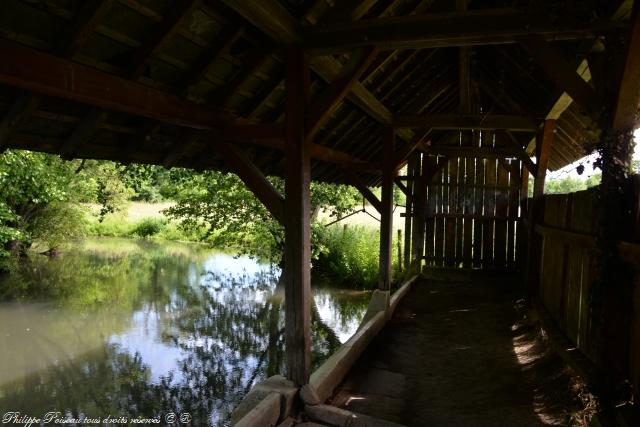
{"type": "Point", "coordinates": [90, 14]}
{"type": "Point", "coordinates": [454, 29]}
{"type": "Point", "coordinates": [243, 76]}
{"type": "Point", "coordinates": [167, 28]}
{"type": "Point", "coordinates": [222, 44]}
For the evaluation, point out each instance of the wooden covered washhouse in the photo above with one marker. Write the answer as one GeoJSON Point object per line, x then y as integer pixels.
{"type": "Point", "coordinates": [475, 98]}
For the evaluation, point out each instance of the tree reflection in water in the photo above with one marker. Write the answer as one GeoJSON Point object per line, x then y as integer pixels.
{"type": "Point", "coordinates": [141, 329]}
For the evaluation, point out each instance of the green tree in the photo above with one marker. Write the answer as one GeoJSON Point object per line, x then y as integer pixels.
{"type": "Point", "coordinates": [35, 187]}
{"type": "Point", "coordinates": [42, 198]}
{"type": "Point", "coordinates": [224, 211]}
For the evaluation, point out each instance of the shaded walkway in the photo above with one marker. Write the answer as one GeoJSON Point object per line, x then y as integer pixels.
{"type": "Point", "coordinates": [454, 354]}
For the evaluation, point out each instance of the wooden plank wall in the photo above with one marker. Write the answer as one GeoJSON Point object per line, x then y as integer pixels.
{"type": "Point", "coordinates": [568, 270]}
{"type": "Point", "coordinates": [473, 213]}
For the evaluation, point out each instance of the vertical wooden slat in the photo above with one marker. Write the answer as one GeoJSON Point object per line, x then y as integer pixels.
{"type": "Point", "coordinates": [297, 215]}
{"type": "Point", "coordinates": [514, 192]}
{"type": "Point", "coordinates": [489, 206]}
{"type": "Point", "coordinates": [450, 221]}
{"type": "Point", "coordinates": [469, 209]}
{"type": "Point", "coordinates": [460, 197]}
{"type": "Point", "coordinates": [502, 210]}
{"type": "Point", "coordinates": [479, 209]}
{"type": "Point", "coordinates": [438, 252]}
{"type": "Point", "coordinates": [386, 214]}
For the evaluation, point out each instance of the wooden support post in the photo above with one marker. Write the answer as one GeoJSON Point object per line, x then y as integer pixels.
{"type": "Point", "coordinates": [419, 206]}
{"type": "Point", "coordinates": [386, 214]}
{"type": "Point", "coordinates": [613, 291]}
{"type": "Point", "coordinates": [536, 210]}
{"type": "Point", "coordinates": [296, 222]}
{"type": "Point", "coordinates": [399, 249]}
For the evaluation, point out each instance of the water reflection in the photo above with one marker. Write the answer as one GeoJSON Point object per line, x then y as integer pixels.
{"type": "Point", "coordinates": [136, 328]}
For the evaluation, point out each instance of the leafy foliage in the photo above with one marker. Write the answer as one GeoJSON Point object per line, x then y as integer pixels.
{"type": "Point", "coordinates": [221, 208]}
{"type": "Point", "coordinates": [42, 197]}
{"type": "Point", "coordinates": [569, 184]}
{"type": "Point", "coordinates": [34, 187]}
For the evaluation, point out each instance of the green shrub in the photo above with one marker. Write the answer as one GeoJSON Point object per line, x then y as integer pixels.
{"type": "Point", "coordinates": [348, 254]}
{"type": "Point", "coordinates": [111, 226]}
{"type": "Point", "coordinates": [149, 226]}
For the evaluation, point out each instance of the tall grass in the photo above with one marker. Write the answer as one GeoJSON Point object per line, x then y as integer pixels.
{"type": "Point", "coordinates": [147, 227]}
{"type": "Point", "coordinates": [348, 254]}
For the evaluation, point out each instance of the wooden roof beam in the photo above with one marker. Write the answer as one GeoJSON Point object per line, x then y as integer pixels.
{"type": "Point", "coordinates": [353, 179]}
{"type": "Point", "coordinates": [509, 139]}
{"type": "Point", "coordinates": [467, 122]}
{"type": "Point", "coordinates": [339, 87]}
{"type": "Point", "coordinates": [560, 71]}
{"type": "Point", "coordinates": [39, 72]}
{"type": "Point", "coordinates": [455, 29]}
{"type": "Point", "coordinates": [270, 17]}
{"type": "Point", "coordinates": [254, 179]}
{"type": "Point", "coordinates": [46, 74]}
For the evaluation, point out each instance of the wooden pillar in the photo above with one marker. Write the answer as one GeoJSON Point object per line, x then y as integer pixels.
{"type": "Point", "coordinates": [386, 213]}
{"type": "Point", "coordinates": [536, 208]}
{"type": "Point", "coordinates": [296, 222]}
{"type": "Point", "coordinates": [409, 220]}
{"type": "Point", "coordinates": [419, 209]}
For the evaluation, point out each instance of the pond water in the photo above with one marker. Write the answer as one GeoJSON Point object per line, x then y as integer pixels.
{"type": "Point", "coordinates": [139, 329]}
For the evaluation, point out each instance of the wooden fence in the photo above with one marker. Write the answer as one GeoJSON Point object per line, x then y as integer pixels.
{"type": "Point", "coordinates": [568, 270]}
{"type": "Point", "coordinates": [473, 212]}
